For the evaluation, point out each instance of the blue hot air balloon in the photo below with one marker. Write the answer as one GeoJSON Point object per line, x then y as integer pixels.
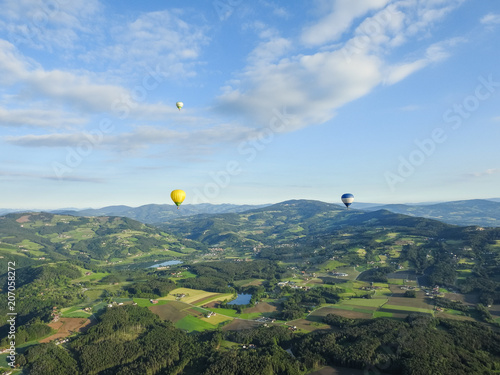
{"type": "Point", "coordinates": [347, 199]}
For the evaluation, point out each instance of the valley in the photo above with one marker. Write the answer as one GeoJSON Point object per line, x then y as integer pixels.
{"type": "Point", "coordinates": [308, 266]}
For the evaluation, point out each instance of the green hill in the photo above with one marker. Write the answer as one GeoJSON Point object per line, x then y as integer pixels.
{"type": "Point", "coordinates": [32, 238]}
{"type": "Point", "coordinates": [158, 213]}
{"type": "Point", "coordinates": [290, 221]}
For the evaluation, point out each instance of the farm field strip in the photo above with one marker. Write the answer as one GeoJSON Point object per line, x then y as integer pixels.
{"type": "Point", "coordinates": [374, 302]}
{"type": "Point", "coordinates": [194, 295]}
{"type": "Point", "coordinates": [408, 308]}
{"type": "Point", "coordinates": [353, 308]}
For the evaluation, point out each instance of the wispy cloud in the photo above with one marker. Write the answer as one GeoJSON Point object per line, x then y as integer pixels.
{"type": "Point", "coordinates": [49, 25]}
{"type": "Point", "coordinates": [141, 138]}
{"type": "Point", "coordinates": [162, 37]}
{"type": "Point", "coordinates": [433, 54]}
{"type": "Point", "coordinates": [491, 19]}
{"type": "Point", "coordinates": [314, 86]}
{"type": "Point", "coordinates": [487, 172]}
{"type": "Point", "coordinates": [4, 174]}
{"type": "Point", "coordinates": [340, 16]}
{"type": "Point", "coordinates": [38, 118]}
{"type": "Point", "coordinates": [81, 91]}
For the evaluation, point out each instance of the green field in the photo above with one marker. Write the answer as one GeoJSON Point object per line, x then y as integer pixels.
{"type": "Point", "coordinates": [93, 277]}
{"type": "Point", "coordinates": [331, 265]}
{"type": "Point", "coordinates": [77, 314]}
{"type": "Point", "coordinates": [190, 324]}
{"type": "Point", "coordinates": [352, 308]}
{"type": "Point", "coordinates": [374, 302]}
{"type": "Point", "coordinates": [409, 308]}
{"type": "Point", "coordinates": [226, 312]}
{"type": "Point", "coordinates": [144, 302]}
{"type": "Point", "coordinates": [382, 314]}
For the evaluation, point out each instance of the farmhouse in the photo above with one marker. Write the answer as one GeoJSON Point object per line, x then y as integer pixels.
{"type": "Point", "coordinates": [334, 273]}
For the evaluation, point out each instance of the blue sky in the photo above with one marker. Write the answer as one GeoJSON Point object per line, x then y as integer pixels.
{"type": "Point", "coordinates": [393, 101]}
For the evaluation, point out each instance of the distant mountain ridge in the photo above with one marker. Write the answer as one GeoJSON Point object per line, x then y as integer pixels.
{"type": "Point", "coordinates": [158, 213]}
{"type": "Point", "coordinates": [481, 212]}
{"type": "Point", "coordinates": [287, 222]}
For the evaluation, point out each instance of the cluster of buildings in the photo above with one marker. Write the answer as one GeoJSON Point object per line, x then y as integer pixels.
{"type": "Point", "coordinates": [407, 287]}
{"type": "Point", "coordinates": [55, 314]}
{"type": "Point", "coordinates": [180, 295]}
{"type": "Point", "coordinates": [434, 292]}
{"type": "Point", "coordinates": [60, 341]}
{"type": "Point", "coordinates": [343, 274]}
{"type": "Point", "coordinates": [292, 285]}
{"type": "Point", "coordinates": [264, 319]}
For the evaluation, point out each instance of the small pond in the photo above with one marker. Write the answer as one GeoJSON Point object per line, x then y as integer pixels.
{"type": "Point", "coordinates": [242, 299]}
{"type": "Point", "coordinates": [167, 263]}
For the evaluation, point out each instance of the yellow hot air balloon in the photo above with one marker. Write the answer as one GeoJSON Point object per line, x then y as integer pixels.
{"type": "Point", "coordinates": [178, 196]}
{"type": "Point", "coordinates": [179, 105]}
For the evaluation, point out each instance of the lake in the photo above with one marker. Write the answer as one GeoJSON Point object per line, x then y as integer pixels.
{"type": "Point", "coordinates": [167, 263]}
{"type": "Point", "coordinates": [242, 299]}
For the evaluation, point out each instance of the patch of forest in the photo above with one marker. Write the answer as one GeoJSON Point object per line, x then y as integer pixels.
{"type": "Point", "coordinates": [132, 340]}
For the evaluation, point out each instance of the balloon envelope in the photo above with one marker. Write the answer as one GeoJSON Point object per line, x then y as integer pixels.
{"type": "Point", "coordinates": [347, 199]}
{"type": "Point", "coordinates": [178, 196]}
{"type": "Point", "coordinates": [179, 105]}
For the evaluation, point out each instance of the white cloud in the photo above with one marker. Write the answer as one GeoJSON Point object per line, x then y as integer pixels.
{"type": "Point", "coordinates": [16, 175]}
{"type": "Point", "coordinates": [267, 52]}
{"type": "Point", "coordinates": [338, 20]}
{"type": "Point", "coordinates": [140, 138]}
{"type": "Point", "coordinates": [275, 8]}
{"type": "Point", "coordinates": [424, 13]}
{"type": "Point", "coordinates": [38, 118]}
{"type": "Point", "coordinates": [158, 36]}
{"type": "Point", "coordinates": [313, 86]}
{"type": "Point", "coordinates": [491, 19]}
{"type": "Point", "coordinates": [83, 91]}
{"type": "Point", "coordinates": [434, 53]}
{"type": "Point", "coordinates": [487, 172]}
{"type": "Point", "coordinates": [56, 84]}
{"type": "Point", "coordinates": [49, 24]}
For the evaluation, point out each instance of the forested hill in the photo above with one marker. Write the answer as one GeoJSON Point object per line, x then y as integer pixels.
{"type": "Point", "coordinates": [291, 220]}
{"type": "Point", "coordinates": [465, 212]}
{"type": "Point", "coordinates": [33, 238]}
{"type": "Point", "coordinates": [158, 213]}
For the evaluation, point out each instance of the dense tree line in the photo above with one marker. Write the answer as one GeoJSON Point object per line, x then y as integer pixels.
{"type": "Point", "coordinates": [152, 288]}
{"type": "Point", "coordinates": [419, 345]}
{"type": "Point", "coordinates": [132, 340]}
{"type": "Point", "coordinates": [301, 301]}
{"type": "Point", "coordinates": [28, 332]}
